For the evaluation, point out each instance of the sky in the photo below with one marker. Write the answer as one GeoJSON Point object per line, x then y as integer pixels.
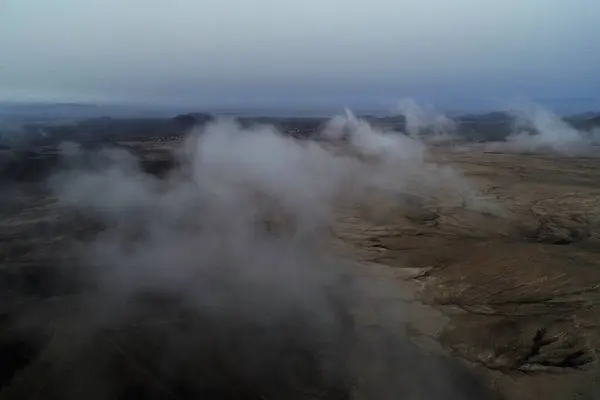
{"type": "Point", "coordinates": [291, 52]}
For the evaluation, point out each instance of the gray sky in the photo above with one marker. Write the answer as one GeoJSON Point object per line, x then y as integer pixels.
{"type": "Point", "coordinates": [309, 50]}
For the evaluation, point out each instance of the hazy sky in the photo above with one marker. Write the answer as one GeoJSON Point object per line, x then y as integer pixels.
{"type": "Point", "coordinates": [309, 50]}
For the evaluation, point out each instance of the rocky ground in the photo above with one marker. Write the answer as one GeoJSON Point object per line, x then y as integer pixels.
{"type": "Point", "coordinates": [519, 286]}
{"type": "Point", "coordinates": [510, 290]}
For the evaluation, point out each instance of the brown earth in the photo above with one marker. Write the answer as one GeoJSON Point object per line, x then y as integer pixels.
{"type": "Point", "coordinates": [520, 284]}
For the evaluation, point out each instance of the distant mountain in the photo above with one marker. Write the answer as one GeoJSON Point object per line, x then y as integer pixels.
{"type": "Point", "coordinates": [55, 123]}
{"type": "Point", "coordinates": [587, 121]}
{"type": "Point", "coordinates": [491, 117]}
{"type": "Point", "coordinates": [69, 111]}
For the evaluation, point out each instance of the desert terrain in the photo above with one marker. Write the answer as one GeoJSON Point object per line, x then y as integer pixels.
{"type": "Point", "coordinates": [518, 290]}
{"type": "Point", "coordinates": [494, 293]}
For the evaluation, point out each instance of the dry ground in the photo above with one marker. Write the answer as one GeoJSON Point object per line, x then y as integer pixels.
{"type": "Point", "coordinates": [513, 291]}
{"type": "Point", "coordinates": [520, 285]}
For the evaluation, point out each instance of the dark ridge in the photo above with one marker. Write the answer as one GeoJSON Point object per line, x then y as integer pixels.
{"type": "Point", "coordinates": [26, 165]}
{"type": "Point", "coordinates": [30, 154]}
{"type": "Point", "coordinates": [31, 132]}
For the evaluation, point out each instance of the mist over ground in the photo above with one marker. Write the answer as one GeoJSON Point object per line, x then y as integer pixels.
{"type": "Point", "coordinates": [236, 200]}
{"type": "Point", "coordinates": [219, 279]}
{"type": "Point", "coordinates": [537, 129]}
{"type": "Point", "coordinates": [220, 272]}
{"type": "Point", "coordinates": [29, 125]}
